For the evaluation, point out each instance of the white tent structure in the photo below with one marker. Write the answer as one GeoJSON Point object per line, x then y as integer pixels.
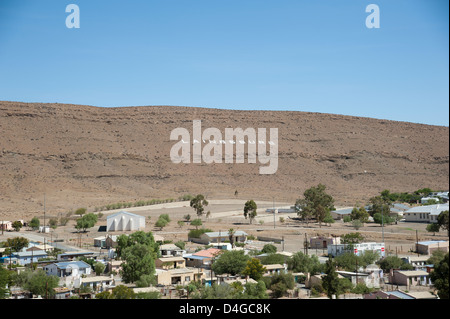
{"type": "Point", "coordinates": [123, 221]}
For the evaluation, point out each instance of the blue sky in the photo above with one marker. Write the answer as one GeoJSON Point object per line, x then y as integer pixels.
{"type": "Point", "coordinates": [315, 56]}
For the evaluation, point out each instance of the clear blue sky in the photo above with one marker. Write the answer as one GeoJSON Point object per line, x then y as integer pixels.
{"type": "Point", "coordinates": [298, 55]}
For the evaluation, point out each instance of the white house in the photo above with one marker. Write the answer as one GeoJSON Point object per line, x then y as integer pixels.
{"type": "Point", "coordinates": [358, 249]}
{"type": "Point", "coordinates": [426, 213]}
{"type": "Point", "coordinates": [68, 268]}
{"type": "Point", "coordinates": [123, 221]}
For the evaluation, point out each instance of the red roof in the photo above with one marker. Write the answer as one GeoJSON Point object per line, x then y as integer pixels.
{"type": "Point", "coordinates": [210, 252]}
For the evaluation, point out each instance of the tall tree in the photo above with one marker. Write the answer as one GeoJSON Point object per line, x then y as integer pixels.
{"type": "Point", "coordinates": [330, 281]}
{"type": "Point", "coordinates": [443, 220]}
{"type": "Point", "coordinates": [198, 203]}
{"type": "Point", "coordinates": [316, 203]}
{"type": "Point", "coordinates": [250, 208]}
{"type": "Point", "coordinates": [254, 269]}
{"type": "Point", "coordinates": [439, 277]}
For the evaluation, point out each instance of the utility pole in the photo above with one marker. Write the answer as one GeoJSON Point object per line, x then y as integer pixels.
{"type": "Point", "coordinates": [417, 244]}
{"type": "Point", "coordinates": [273, 203]}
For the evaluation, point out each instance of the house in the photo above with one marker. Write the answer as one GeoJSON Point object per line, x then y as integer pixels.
{"type": "Point", "coordinates": [114, 266]}
{"type": "Point", "coordinates": [178, 276]}
{"type": "Point", "coordinates": [69, 255]}
{"type": "Point", "coordinates": [418, 262]}
{"type": "Point", "coordinates": [125, 221]}
{"type": "Point", "coordinates": [357, 249]}
{"type": "Point", "coordinates": [427, 247]}
{"type": "Point", "coordinates": [171, 250]}
{"type": "Point", "coordinates": [62, 293]}
{"type": "Point", "coordinates": [409, 278]}
{"type": "Point", "coordinates": [170, 262]}
{"type": "Point", "coordinates": [274, 269]}
{"type": "Point", "coordinates": [425, 214]}
{"type": "Point", "coordinates": [27, 257]}
{"type": "Point", "coordinates": [68, 268]}
{"type": "Point", "coordinates": [220, 237]}
{"type": "Point", "coordinates": [321, 242]}
{"type": "Point", "coordinates": [97, 283]}
{"type": "Point", "coordinates": [202, 258]}
{"type": "Point", "coordinates": [339, 214]}
{"type": "Point", "coordinates": [399, 294]}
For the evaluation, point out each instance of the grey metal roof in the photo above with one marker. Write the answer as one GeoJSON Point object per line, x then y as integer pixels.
{"type": "Point", "coordinates": [72, 264]}
{"type": "Point", "coordinates": [122, 212]}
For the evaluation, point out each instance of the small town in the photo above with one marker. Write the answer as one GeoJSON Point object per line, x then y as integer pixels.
{"type": "Point", "coordinates": [194, 248]}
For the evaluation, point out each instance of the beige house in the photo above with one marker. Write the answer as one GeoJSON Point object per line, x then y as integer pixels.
{"type": "Point", "coordinates": [178, 276]}
{"type": "Point", "coordinates": [426, 213]}
{"type": "Point", "coordinates": [409, 278]}
{"type": "Point", "coordinates": [321, 242]}
{"type": "Point", "coordinates": [170, 262]}
{"type": "Point", "coordinates": [274, 269]}
{"type": "Point", "coordinates": [427, 247]}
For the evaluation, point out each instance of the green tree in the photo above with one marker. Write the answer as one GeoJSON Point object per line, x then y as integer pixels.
{"type": "Point", "coordinates": [433, 228]}
{"type": "Point", "coordinates": [280, 283]}
{"type": "Point", "coordinates": [16, 243]}
{"type": "Point", "coordinates": [37, 282]}
{"type": "Point", "coordinates": [379, 205]}
{"type": "Point", "coordinates": [439, 277]}
{"type": "Point", "coordinates": [161, 223]}
{"type": "Point", "coordinates": [99, 268]}
{"type": "Point", "coordinates": [4, 281]}
{"type": "Point", "coordinates": [139, 260]}
{"type": "Point", "coordinates": [316, 203]}
{"type": "Point", "coordinates": [34, 223]}
{"type": "Point", "coordinates": [139, 237]}
{"type": "Point", "coordinates": [255, 291]}
{"type": "Point", "coordinates": [383, 219]}
{"type": "Point", "coordinates": [436, 257]}
{"type": "Point", "coordinates": [250, 208]}
{"type": "Point", "coordinates": [269, 249]}
{"type": "Point", "coordinates": [87, 221]}
{"type": "Point", "coordinates": [81, 211]}
{"type": "Point", "coordinates": [122, 292]}
{"type": "Point", "coordinates": [198, 203]}
{"type": "Point", "coordinates": [393, 262]}
{"type": "Point", "coordinates": [230, 262]}
{"type": "Point", "coordinates": [17, 225]}
{"type": "Point", "coordinates": [443, 220]}
{"type": "Point", "coordinates": [360, 214]}
{"type": "Point", "coordinates": [254, 269]}
{"type": "Point", "coordinates": [165, 217]}
{"type": "Point", "coordinates": [330, 282]}
{"type": "Point", "coordinates": [197, 222]}
{"type": "Point", "coordinates": [301, 262]}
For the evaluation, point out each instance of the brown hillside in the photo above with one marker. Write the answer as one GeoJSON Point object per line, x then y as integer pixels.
{"type": "Point", "coordinates": [91, 156]}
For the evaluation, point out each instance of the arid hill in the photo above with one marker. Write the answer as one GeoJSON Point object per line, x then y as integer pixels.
{"type": "Point", "coordinates": [84, 156]}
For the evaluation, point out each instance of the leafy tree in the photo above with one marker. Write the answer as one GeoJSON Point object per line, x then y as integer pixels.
{"type": "Point", "coordinates": [81, 211]}
{"type": "Point", "coordinates": [180, 223]}
{"type": "Point", "coordinates": [301, 262]}
{"type": "Point", "coordinates": [254, 269]}
{"type": "Point", "coordinates": [197, 222]}
{"type": "Point", "coordinates": [328, 219]}
{"type": "Point", "coordinates": [255, 291]}
{"type": "Point", "coordinates": [393, 262]}
{"type": "Point", "coordinates": [165, 217]}
{"type": "Point", "coordinates": [198, 203]}
{"type": "Point", "coordinates": [379, 205]}
{"type": "Point", "coordinates": [360, 214]}
{"type": "Point", "coordinates": [269, 249]}
{"type": "Point", "coordinates": [439, 277]}
{"type": "Point", "coordinates": [436, 257]}
{"type": "Point", "coordinates": [352, 239]}
{"type": "Point", "coordinates": [87, 221]}
{"type": "Point", "coordinates": [34, 223]}
{"type": "Point", "coordinates": [280, 283]}
{"type": "Point", "coordinates": [433, 228]}
{"type": "Point", "coordinates": [139, 237]}
{"type": "Point", "coordinates": [139, 260]}
{"type": "Point", "coordinates": [99, 268]}
{"type": "Point", "coordinates": [4, 280]}
{"type": "Point", "coordinates": [357, 224]}
{"type": "Point", "coordinates": [330, 282]}
{"type": "Point", "coordinates": [273, 258]}
{"type": "Point", "coordinates": [37, 282]}
{"type": "Point", "coordinates": [316, 203]}
{"type": "Point", "coordinates": [443, 220]}
{"type": "Point", "coordinates": [161, 223]}
{"type": "Point", "coordinates": [230, 262]}
{"type": "Point", "coordinates": [122, 292]}
{"type": "Point", "coordinates": [17, 225]}
{"type": "Point", "coordinates": [250, 208]}
{"type": "Point", "coordinates": [16, 243]}
{"type": "Point", "coordinates": [383, 219]}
